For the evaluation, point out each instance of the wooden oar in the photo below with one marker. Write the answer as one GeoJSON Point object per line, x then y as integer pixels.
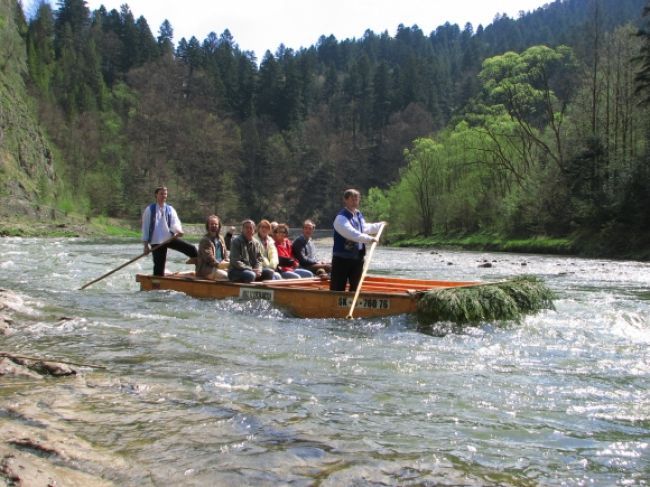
{"type": "Point", "coordinates": [365, 271]}
{"type": "Point", "coordinates": [129, 262]}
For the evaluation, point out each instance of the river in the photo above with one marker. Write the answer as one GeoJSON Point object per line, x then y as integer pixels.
{"type": "Point", "coordinates": [199, 392]}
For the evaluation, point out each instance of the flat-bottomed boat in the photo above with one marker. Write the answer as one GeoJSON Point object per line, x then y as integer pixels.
{"type": "Point", "coordinates": [309, 298]}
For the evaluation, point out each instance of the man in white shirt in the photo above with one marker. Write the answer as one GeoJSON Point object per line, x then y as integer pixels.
{"type": "Point", "coordinates": [351, 234]}
{"type": "Point", "coordinates": [159, 223]}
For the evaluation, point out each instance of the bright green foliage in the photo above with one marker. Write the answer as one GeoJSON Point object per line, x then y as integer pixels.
{"type": "Point", "coordinates": [376, 206]}
{"type": "Point", "coordinates": [426, 179]}
{"type": "Point", "coordinates": [466, 305]}
{"type": "Point", "coordinates": [503, 301]}
{"type": "Point", "coordinates": [529, 293]}
{"type": "Point", "coordinates": [458, 181]}
{"type": "Point", "coordinates": [535, 88]}
{"type": "Point", "coordinates": [12, 50]}
{"type": "Point", "coordinates": [513, 165]}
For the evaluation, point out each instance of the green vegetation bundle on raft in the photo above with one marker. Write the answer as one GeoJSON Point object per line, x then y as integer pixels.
{"type": "Point", "coordinates": [499, 301]}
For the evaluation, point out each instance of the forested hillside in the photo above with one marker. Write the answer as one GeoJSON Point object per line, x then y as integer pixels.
{"type": "Point", "coordinates": [526, 126]}
{"type": "Point", "coordinates": [28, 182]}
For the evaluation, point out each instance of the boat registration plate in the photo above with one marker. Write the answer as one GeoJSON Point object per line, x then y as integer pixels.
{"type": "Point", "coordinates": [366, 303]}
{"type": "Point", "coordinates": [265, 294]}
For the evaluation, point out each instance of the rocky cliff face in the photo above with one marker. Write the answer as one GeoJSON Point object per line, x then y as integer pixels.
{"type": "Point", "coordinates": [27, 175]}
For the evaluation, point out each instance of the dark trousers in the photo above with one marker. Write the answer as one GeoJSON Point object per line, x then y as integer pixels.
{"type": "Point", "coordinates": [246, 275]}
{"type": "Point", "coordinates": [344, 271]}
{"type": "Point", "coordinates": [160, 254]}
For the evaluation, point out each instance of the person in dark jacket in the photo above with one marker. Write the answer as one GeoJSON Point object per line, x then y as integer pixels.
{"type": "Point", "coordinates": [305, 251]}
{"type": "Point", "coordinates": [246, 257]}
{"type": "Point", "coordinates": [213, 255]}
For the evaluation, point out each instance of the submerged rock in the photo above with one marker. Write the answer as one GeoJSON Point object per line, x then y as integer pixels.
{"type": "Point", "coordinates": [39, 445]}
{"type": "Point", "coordinates": [5, 325]}
{"type": "Point", "coordinates": [32, 367]}
{"type": "Point", "coordinates": [12, 369]}
{"type": "Point", "coordinates": [9, 299]}
{"type": "Point", "coordinates": [42, 456]}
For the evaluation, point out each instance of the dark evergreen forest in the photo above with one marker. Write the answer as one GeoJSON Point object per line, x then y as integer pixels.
{"type": "Point", "coordinates": [527, 126]}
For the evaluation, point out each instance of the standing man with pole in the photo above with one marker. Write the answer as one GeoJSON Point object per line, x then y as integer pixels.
{"type": "Point", "coordinates": [351, 234]}
{"type": "Point", "coordinates": [159, 223]}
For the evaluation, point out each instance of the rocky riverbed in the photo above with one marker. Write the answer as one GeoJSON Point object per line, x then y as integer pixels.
{"type": "Point", "coordinates": [38, 444]}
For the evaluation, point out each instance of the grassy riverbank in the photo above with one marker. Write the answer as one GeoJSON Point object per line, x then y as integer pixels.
{"type": "Point", "coordinates": [534, 245]}
{"type": "Point", "coordinates": [69, 227]}
{"type": "Point", "coordinates": [78, 226]}
{"type": "Point", "coordinates": [586, 245]}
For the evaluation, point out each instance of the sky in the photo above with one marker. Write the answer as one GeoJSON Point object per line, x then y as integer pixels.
{"type": "Point", "coordinates": [258, 25]}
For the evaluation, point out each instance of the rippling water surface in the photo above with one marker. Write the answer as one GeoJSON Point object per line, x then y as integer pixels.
{"type": "Point", "coordinates": [237, 393]}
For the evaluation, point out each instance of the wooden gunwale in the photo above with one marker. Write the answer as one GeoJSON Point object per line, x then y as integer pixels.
{"type": "Point", "coordinates": [417, 283]}
{"type": "Point", "coordinates": [374, 283]}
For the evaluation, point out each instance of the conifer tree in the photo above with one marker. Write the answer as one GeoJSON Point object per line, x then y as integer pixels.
{"type": "Point", "coordinates": [40, 48]}
{"type": "Point", "coordinates": [643, 74]}
{"type": "Point", "coordinates": [75, 14]}
{"type": "Point", "coordinates": [145, 44]}
{"type": "Point", "coordinates": [165, 39]}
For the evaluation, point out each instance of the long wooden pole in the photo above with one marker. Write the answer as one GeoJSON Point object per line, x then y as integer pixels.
{"type": "Point", "coordinates": [365, 271]}
{"type": "Point", "coordinates": [127, 263]}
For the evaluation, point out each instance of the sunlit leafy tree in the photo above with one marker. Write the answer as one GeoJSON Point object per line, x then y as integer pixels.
{"type": "Point", "coordinates": [535, 88]}
{"type": "Point", "coordinates": [426, 177]}
{"type": "Point", "coordinates": [376, 205]}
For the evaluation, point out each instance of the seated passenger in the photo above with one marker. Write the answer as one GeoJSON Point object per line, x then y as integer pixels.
{"type": "Point", "coordinates": [246, 260]}
{"type": "Point", "coordinates": [288, 266]}
{"type": "Point", "coordinates": [212, 259]}
{"type": "Point", "coordinates": [304, 250]}
{"type": "Point", "coordinates": [270, 251]}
